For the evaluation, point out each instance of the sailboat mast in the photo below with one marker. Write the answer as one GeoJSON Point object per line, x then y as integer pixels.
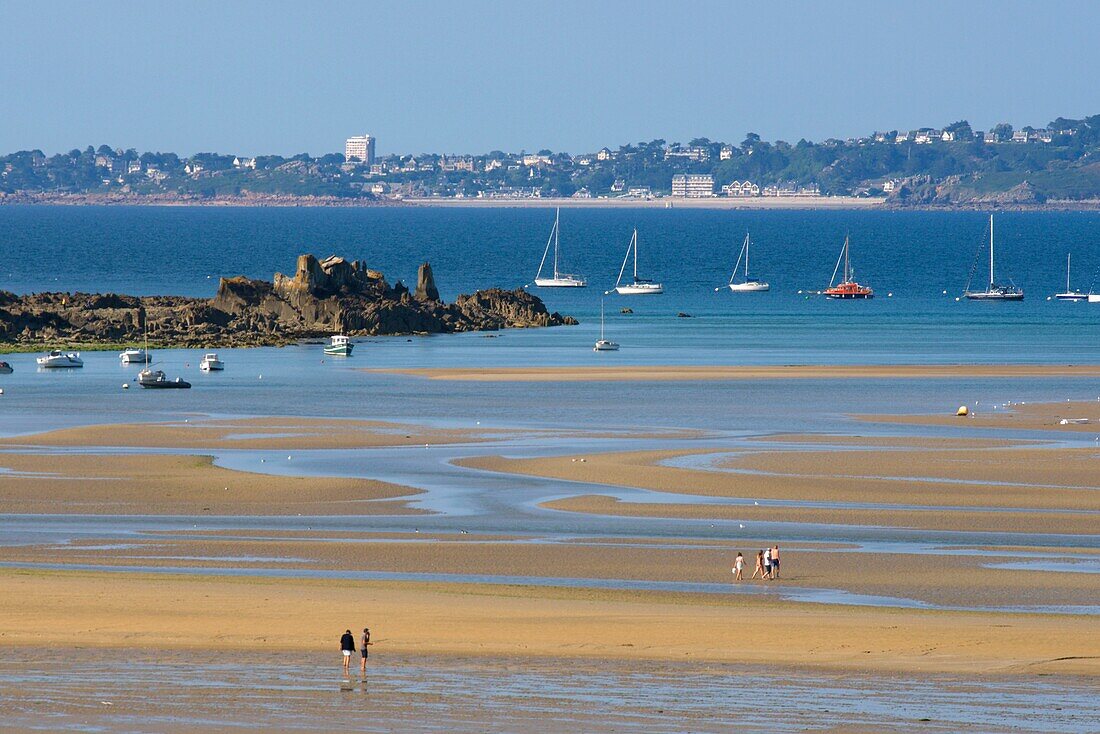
{"type": "Point", "coordinates": [990, 252]}
{"type": "Point", "coordinates": [1068, 255]}
{"type": "Point", "coordinates": [746, 256]}
{"type": "Point", "coordinates": [601, 319]}
{"type": "Point", "coordinates": [847, 261]}
{"type": "Point", "coordinates": [634, 240]}
{"type": "Point", "coordinates": [557, 214]}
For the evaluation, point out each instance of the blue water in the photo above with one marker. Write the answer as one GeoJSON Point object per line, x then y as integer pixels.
{"type": "Point", "coordinates": [916, 256]}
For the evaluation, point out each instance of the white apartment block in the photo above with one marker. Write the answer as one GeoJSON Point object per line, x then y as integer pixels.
{"type": "Point", "coordinates": [359, 148]}
{"type": "Point", "coordinates": [693, 185]}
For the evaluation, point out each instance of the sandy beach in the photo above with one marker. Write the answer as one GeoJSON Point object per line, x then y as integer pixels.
{"type": "Point", "coordinates": [767, 372]}
{"type": "Point", "coordinates": [1080, 417]}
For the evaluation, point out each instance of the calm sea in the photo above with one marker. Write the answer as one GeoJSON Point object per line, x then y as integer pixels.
{"type": "Point", "coordinates": [915, 256]}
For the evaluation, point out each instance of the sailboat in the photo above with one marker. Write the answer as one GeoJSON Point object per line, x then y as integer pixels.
{"type": "Point", "coordinates": [638, 286]}
{"type": "Point", "coordinates": [560, 280]}
{"type": "Point", "coordinates": [748, 285]}
{"type": "Point", "coordinates": [994, 292]}
{"type": "Point", "coordinates": [602, 344]}
{"type": "Point", "coordinates": [1070, 294]}
{"type": "Point", "coordinates": [848, 288]}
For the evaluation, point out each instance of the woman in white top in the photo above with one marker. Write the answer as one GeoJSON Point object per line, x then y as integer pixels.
{"type": "Point", "coordinates": [738, 567]}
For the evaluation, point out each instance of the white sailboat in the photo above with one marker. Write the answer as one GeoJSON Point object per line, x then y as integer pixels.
{"type": "Point", "coordinates": [748, 285]}
{"type": "Point", "coordinates": [994, 292]}
{"type": "Point", "coordinates": [560, 280]}
{"type": "Point", "coordinates": [602, 344]}
{"type": "Point", "coordinates": [638, 286]}
{"type": "Point", "coordinates": [1070, 294]}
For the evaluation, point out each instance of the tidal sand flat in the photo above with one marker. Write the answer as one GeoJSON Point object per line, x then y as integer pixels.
{"type": "Point", "coordinates": [647, 373]}
{"type": "Point", "coordinates": [1075, 416]}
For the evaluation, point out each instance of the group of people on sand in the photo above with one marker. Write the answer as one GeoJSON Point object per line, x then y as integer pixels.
{"type": "Point", "coordinates": [347, 648]}
{"type": "Point", "coordinates": [767, 565]}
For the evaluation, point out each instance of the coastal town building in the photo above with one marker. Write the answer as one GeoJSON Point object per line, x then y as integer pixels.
{"type": "Point", "coordinates": [618, 186]}
{"type": "Point", "coordinates": [605, 154]}
{"type": "Point", "coordinates": [1019, 136]}
{"type": "Point", "coordinates": [693, 185]}
{"type": "Point", "coordinates": [725, 153]}
{"type": "Point", "coordinates": [535, 159]}
{"type": "Point", "coordinates": [243, 162]}
{"type": "Point", "coordinates": [359, 148]}
{"type": "Point", "coordinates": [693, 153]}
{"type": "Point", "coordinates": [741, 188]}
{"type": "Point", "coordinates": [990, 138]}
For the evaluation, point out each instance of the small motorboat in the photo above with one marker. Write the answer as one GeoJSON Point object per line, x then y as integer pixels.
{"type": "Point", "coordinates": [135, 356]}
{"type": "Point", "coordinates": [57, 359]}
{"type": "Point", "coordinates": [157, 380]}
{"type": "Point", "coordinates": [847, 288]}
{"type": "Point", "coordinates": [339, 346]}
{"type": "Point", "coordinates": [5, 368]}
{"type": "Point", "coordinates": [211, 363]}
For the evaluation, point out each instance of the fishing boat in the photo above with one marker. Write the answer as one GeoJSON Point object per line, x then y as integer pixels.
{"type": "Point", "coordinates": [339, 346]}
{"type": "Point", "coordinates": [994, 291]}
{"type": "Point", "coordinates": [847, 288]}
{"type": "Point", "coordinates": [211, 363]}
{"type": "Point", "coordinates": [748, 285]}
{"type": "Point", "coordinates": [59, 360]}
{"type": "Point", "coordinates": [134, 355]}
{"type": "Point", "coordinates": [5, 368]}
{"type": "Point", "coordinates": [638, 286]}
{"type": "Point", "coordinates": [157, 380]}
{"type": "Point", "coordinates": [560, 280]}
{"type": "Point", "coordinates": [603, 344]}
{"type": "Point", "coordinates": [1070, 294]}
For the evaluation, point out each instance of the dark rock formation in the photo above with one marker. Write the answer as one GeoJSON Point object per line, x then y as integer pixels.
{"type": "Point", "coordinates": [323, 297]}
{"type": "Point", "coordinates": [425, 284]}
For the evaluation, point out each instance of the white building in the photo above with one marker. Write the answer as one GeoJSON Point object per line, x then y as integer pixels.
{"type": "Point", "coordinates": [693, 185]}
{"type": "Point", "coordinates": [243, 162]}
{"type": "Point", "coordinates": [359, 148]}
{"type": "Point", "coordinates": [726, 153]}
{"type": "Point", "coordinates": [741, 188]}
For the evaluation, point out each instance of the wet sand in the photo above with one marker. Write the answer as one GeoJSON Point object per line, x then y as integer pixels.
{"type": "Point", "coordinates": [1019, 478]}
{"type": "Point", "coordinates": [1029, 416]}
{"type": "Point", "coordinates": [274, 433]}
{"type": "Point", "coordinates": [49, 610]}
{"type": "Point", "coordinates": [965, 578]}
{"type": "Point", "coordinates": [159, 484]}
{"type": "Point", "coordinates": [773, 372]}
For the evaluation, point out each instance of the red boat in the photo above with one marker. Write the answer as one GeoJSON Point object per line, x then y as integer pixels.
{"type": "Point", "coordinates": [848, 287]}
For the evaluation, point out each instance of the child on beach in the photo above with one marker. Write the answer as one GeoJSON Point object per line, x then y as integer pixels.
{"type": "Point", "coordinates": [759, 565]}
{"type": "Point", "coordinates": [347, 647]}
{"type": "Point", "coordinates": [738, 567]}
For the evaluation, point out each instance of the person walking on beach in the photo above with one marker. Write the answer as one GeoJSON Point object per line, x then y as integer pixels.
{"type": "Point", "coordinates": [759, 565]}
{"type": "Point", "coordinates": [347, 647]}
{"type": "Point", "coordinates": [738, 567]}
{"type": "Point", "coordinates": [364, 642]}
{"type": "Point", "coordinates": [767, 563]}
{"type": "Point", "coordinates": [775, 561]}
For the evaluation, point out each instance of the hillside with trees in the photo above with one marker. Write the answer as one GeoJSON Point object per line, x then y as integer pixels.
{"type": "Point", "coordinates": [950, 166]}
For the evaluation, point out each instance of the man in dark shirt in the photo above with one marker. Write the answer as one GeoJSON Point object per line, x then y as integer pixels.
{"type": "Point", "coordinates": [347, 647]}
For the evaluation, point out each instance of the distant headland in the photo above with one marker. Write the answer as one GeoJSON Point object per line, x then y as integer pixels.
{"type": "Point", "coordinates": [929, 167]}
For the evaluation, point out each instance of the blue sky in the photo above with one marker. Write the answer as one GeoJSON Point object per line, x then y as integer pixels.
{"type": "Point", "coordinates": [279, 77]}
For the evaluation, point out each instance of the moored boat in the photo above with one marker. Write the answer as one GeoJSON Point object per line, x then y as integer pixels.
{"type": "Point", "coordinates": [559, 280]}
{"type": "Point", "coordinates": [994, 291]}
{"type": "Point", "coordinates": [339, 346]}
{"type": "Point", "coordinates": [5, 368]}
{"type": "Point", "coordinates": [157, 380]}
{"type": "Point", "coordinates": [135, 355]}
{"type": "Point", "coordinates": [747, 284]}
{"type": "Point", "coordinates": [603, 344]}
{"type": "Point", "coordinates": [60, 360]}
{"type": "Point", "coordinates": [638, 286]}
{"type": "Point", "coordinates": [1070, 294]}
{"type": "Point", "coordinates": [847, 288]}
{"type": "Point", "coordinates": [211, 363]}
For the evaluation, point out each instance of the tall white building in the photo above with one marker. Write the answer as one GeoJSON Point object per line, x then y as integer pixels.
{"type": "Point", "coordinates": [693, 185]}
{"type": "Point", "coordinates": [359, 148]}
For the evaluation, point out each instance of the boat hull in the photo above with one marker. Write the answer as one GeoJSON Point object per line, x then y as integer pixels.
{"type": "Point", "coordinates": [1094, 298]}
{"type": "Point", "coordinates": [1071, 296]}
{"type": "Point", "coordinates": [604, 345]}
{"type": "Point", "coordinates": [135, 357]}
{"type": "Point", "coordinates": [165, 384]}
{"type": "Point", "coordinates": [561, 282]}
{"type": "Point", "coordinates": [849, 291]}
{"type": "Point", "coordinates": [749, 287]}
{"type": "Point", "coordinates": [343, 350]}
{"type": "Point", "coordinates": [59, 364]}
{"type": "Point", "coordinates": [211, 366]}
{"type": "Point", "coordinates": [995, 296]}
{"type": "Point", "coordinates": [653, 289]}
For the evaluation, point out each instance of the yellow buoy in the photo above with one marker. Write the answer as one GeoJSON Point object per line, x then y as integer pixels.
{"type": "Point", "coordinates": [963, 410]}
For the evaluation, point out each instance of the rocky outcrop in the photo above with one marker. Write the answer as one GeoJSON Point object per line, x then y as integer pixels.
{"type": "Point", "coordinates": [322, 297]}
